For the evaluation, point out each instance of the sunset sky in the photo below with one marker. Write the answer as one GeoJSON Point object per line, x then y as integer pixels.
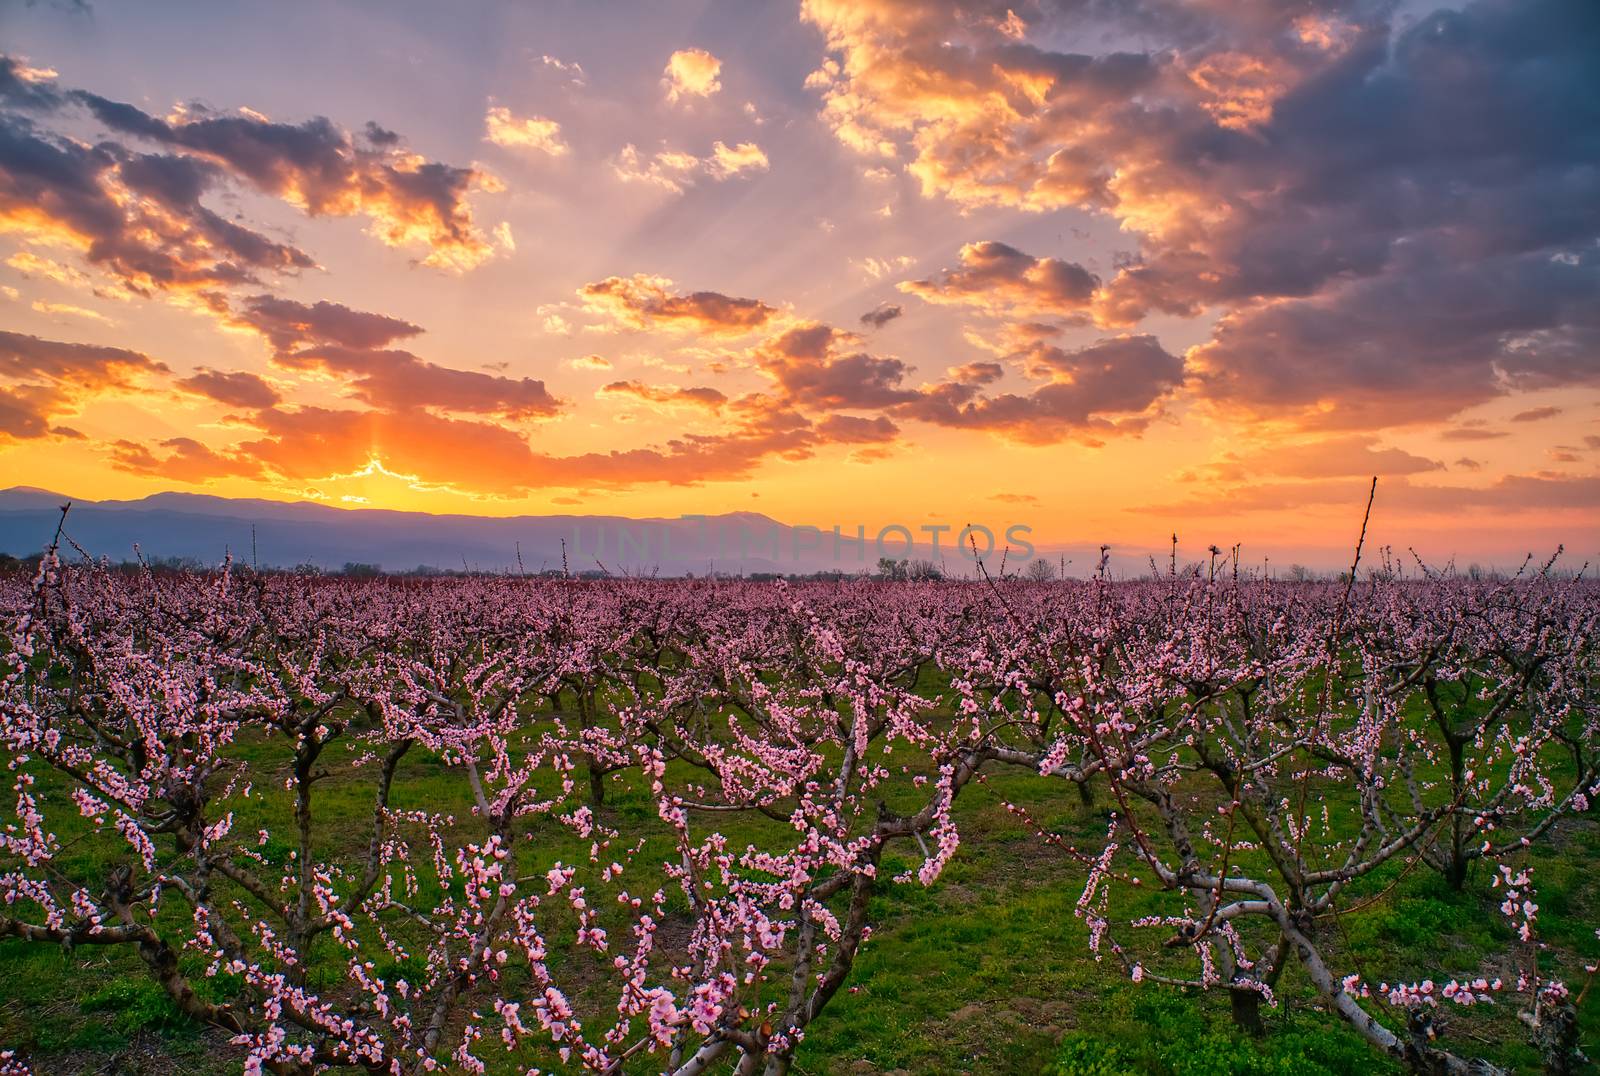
{"type": "Point", "coordinates": [1111, 268]}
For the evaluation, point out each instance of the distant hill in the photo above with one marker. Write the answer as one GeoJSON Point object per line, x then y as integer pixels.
{"type": "Point", "coordinates": [281, 534]}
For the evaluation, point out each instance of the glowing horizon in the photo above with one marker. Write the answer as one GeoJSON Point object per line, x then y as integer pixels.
{"type": "Point", "coordinates": [1193, 267]}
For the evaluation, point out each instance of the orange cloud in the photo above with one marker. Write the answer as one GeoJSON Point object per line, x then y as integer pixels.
{"type": "Point", "coordinates": [235, 388]}
{"type": "Point", "coordinates": [70, 310]}
{"type": "Point", "coordinates": [399, 381]}
{"type": "Point", "coordinates": [1239, 89]}
{"type": "Point", "coordinates": [185, 460]}
{"type": "Point", "coordinates": [524, 132]}
{"type": "Point", "coordinates": [312, 444]}
{"type": "Point", "coordinates": [137, 217]}
{"type": "Point", "coordinates": [48, 378]}
{"type": "Point", "coordinates": [691, 73]}
{"type": "Point", "coordinates": [675, 170]}
{"type": "Point", "coordinates": [317, 444]}
{"type": "Point", "coordinates": [815, 366]}
{"type": "Point", "coordinates": [1472, 433]}
{"type": "Point", "coordinates": [726, 161]}
{"type": "Point", "coordinates": [1330, 457]}
{"type": "Point", "coordinates": [648, 302]}
{"type": "Point", "coordinates": [1010, 337]}
{"type": "Point", "coordinates": [976, 373]}
{"type": "Point", "coordinates": [1536, 414]}
{"type": "Point", "coordinates": [30, 264]}
{"type": "Point", "coordinates": [333, 338]}
{"type": "Point", "coordinates": [1000, 280]}
{"type": "Point", "coordinates": [140, 214]}
{"type": "Point", "coordinates": [857, 430]}
{"type": "Point", "coordinates": [700, 396]}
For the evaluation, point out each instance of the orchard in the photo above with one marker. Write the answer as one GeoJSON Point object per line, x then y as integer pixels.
{"type": "Point", "coordinates": [504, 824]}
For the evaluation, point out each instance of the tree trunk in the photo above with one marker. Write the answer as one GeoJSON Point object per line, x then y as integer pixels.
{"type": "Point", "coordinates": [1456, 873]}
{"type": "Point", "coordinates": [1247, 1011]}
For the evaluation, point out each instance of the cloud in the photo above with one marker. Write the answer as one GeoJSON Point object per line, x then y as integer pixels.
{"type": "Point", "coordinates": [648, 302]}
{"type": "Point", "coordinates": [676, 170]}
{"type": "Point", "coordinates": [726, 162]}
{"type": "Point", "coordinates": [1393, 214]}
{"type": "Point", "coordinates": [399, 381]}
{"type": "Point", "coordinates": [89, 366]}
{"type": "Point", "coordinates": [878, 268]}
{"type": "Point", "coordinates": [48, 378]}
{"type": "Point", "coordinates": [332, 338]}
{"type": "Point", "coordinates": [1472, 433]}
{"type": "Point", "coordinates": [1329, 457]}
{"type": "Point", "coordinates": [857, 430]}
{"type": "Point", "coordinates": [405, 392]}
{"type": "Point", "coordinates": [671, 170]}
{"type": "Point", "coordinates": [235, 388]}
{"type": "Point", "coordinates": [287, 324]}
{"type": "Point", "coordinates": [69, 310]}
{"type": "Point", "coordinates": [21, 418]}
{"type": "Point", "coordinates": [524, 132]}
{"type": "Point", "coordinates": [186, 460]}
{"type": "Point", "coordinates": [1111, 386]}
{"type": "Point", "coordinates": [882, 315]}
{"type": "Point", "coordinates": [692, 73]}
{"type": "Point", "coordinates": [312, 444]}
{"type": "Point", "coordinates": [140, 214]}
{"type": "Point", "coordinates": [976, 373]}
{"type": "Point", "coordinates": [317, 444]}
{"type": "Point", "coordinates": [319, 168]}
{"type": "Point", "coordinates": [685, 462]}
{"type": "Point", "coordinates": [1511, 493]}
{"type": "Point", "coordinates": [1414, 347]}
{"type": "Point", "coordinates": [983, 115]}
{"type": "Point", "coordinates": [1536, 414]}
{"type": "Point", "coordinates": [137, 217]}
{"type": "Point", "coordinates": [815, 366]}
{"type": "Point", "coordinates": [1009, 338]}
{"type": "Point", "coordinates": [697, 396]}
{"type": "Point", "coordinates": [27, 86]}
{"type": "Point", "coordinates": [406, 439]}
{"type": "Point", "coordinates": [378, 135]}
{"type": "Point", "coordinates": [572, 69]}
{"type": "Point", "coordinates": [31, 265]}
{"type": "Point", "coordinates": [1001, 280]}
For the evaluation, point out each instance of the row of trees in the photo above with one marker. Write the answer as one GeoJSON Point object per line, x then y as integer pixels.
{"type": "Point", "coordinates": [185, 751]}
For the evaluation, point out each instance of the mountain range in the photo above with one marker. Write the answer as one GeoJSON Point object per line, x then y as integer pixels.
{"type": "Point", "coordinates": [206, 528]}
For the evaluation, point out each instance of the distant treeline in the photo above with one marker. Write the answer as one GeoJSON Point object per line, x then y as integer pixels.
{"type": "Point", "coordinates": [1036, 570]}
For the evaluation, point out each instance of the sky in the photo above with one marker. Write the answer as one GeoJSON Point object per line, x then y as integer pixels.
{"type": "Point", "coordinates": [1110, 269]}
